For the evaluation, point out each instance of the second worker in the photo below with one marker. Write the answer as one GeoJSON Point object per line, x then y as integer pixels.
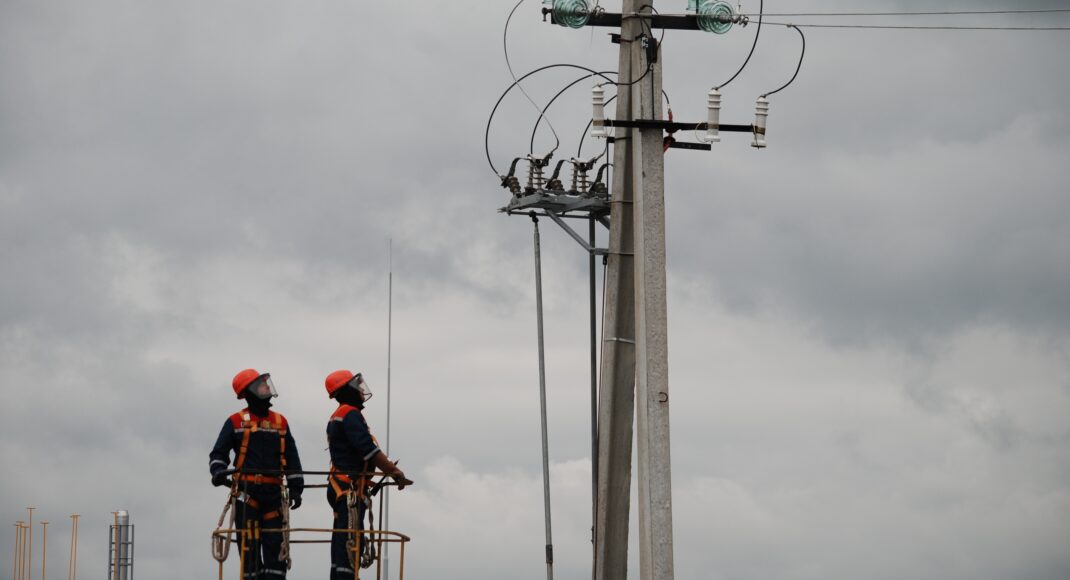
{"type": "Point", "coordinates": [355, 453]}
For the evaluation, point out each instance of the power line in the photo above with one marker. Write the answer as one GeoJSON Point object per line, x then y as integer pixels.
{"type": "Point", "coordinates": [508, 65]}
{"type": "Point", "coordinates": [761, 10]}
{"type": "Point", "coordinates": [942, 13]}
{"type": "Point", "coordinates": [490, 119]}
{"type": "Point", "coordinates": [937, 27]}
{"type": "Point", "coordinates": [797, 68]}
{"type": "Point", "coordinates": [542, 113]}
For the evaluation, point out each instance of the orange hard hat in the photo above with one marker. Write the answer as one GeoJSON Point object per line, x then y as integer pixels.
{"type": "Point", "coordinates": [243, 379]}
{"type": "Point", "coordinates": [337, 380]}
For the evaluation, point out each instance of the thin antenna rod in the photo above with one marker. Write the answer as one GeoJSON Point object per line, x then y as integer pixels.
{"type": "Point", "coordinates": [389, 344]}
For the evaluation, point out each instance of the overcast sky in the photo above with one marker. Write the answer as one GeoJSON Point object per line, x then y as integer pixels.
{"type": "Point", "coordinates": [869, 321]}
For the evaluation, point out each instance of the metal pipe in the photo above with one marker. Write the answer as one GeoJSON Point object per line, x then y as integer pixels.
{"type": "Point", "coordinates": [18, 551]}
{"type": "Point", "coordinates": [29, 554]}
{"type": "Point", "coordinates": [594, 388]}
{"type": "Point", "coordinates": [389, 342]}
{"type": "Point", "coordinates": [22, 552]}
{"type": "Point", "coordinates": [44, 547]}
{"type": "Point", "coordinates": [72, 566]}
{"type": "Point", "coordinates": [542, 406]}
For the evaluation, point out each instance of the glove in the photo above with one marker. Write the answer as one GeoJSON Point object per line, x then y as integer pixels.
{"type": "Point", "coordinates": [399, 477]}
{"type": "Point", "coordinates": [219, 480]}
{"type": "Point", "coordinates": [295, 502]}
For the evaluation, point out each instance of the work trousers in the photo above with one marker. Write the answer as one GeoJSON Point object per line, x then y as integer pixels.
{"type": "Point", "coordinates": [261, 549]}
{"type": "Point", "coordinates": [341, 567]}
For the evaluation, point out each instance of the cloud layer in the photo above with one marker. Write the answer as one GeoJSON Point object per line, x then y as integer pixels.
{"type": "Point", "coordinates": [869, 322]}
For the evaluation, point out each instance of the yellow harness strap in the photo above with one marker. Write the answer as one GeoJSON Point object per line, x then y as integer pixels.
{"type": "Point", "coordinates": [249, 427]}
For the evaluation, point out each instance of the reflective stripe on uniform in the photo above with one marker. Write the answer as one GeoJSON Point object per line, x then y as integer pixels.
{"type": "Point", "coordinates": [264, 429]}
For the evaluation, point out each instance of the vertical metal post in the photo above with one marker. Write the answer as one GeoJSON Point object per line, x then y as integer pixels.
{"type": "Point", "coordinates": [653, 464]}
{"type": "Point", "coordinates": [616, 397]}
{"type": "Point", "coordinates": [44, 548]}
{"type": "Point", "coordinates": [17, 573]}
{"type": "Point", "coordinates": [22, 552]}
{"type": "Point", "coordinates": [72, 566]}
{"type": "Point", "coordinates": [542, 405]}
{"type": "Point", "coordinates": [29, 557]}
{"type": "Point", "coordinates": [123, 558]}
{"type": "Point", "coordinates": [594, 387]}
{"type": "Point", "coordinates": [389, 343]}
{"type": "Point", "coordinates": [113, 552]}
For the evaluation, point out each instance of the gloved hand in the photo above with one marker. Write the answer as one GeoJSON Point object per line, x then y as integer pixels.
{"type": "Point", "coordinates": [219, 480]}
{"type": "Point", "coordinates": [399, 477]}
{"type": "Point", "coordinates": [295, 502]}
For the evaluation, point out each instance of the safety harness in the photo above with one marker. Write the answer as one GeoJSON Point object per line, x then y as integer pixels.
{"type": "Point", "coordinates": [355, 493]}
{"type": "Point", "coordinates": [248, 424]}
{"type": "Point", "coordinates": [244, 422]}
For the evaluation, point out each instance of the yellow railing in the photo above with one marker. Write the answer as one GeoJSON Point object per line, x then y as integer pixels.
{"type": "Point", "coordinates": [223, 537]}
{"type": "Point", "coordinates": [378, 538]}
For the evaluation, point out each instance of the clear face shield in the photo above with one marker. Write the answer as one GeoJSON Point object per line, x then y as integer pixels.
{"type": "Point", "coordinates": [263, 388]}
{"type": "Point", "coordinates": [361, 386]}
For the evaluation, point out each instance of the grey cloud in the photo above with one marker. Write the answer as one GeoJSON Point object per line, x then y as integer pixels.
{"type": "Point", "coordinates": [185, 188]}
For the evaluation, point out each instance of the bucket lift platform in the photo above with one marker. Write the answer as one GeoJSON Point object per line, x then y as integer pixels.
{"type": "Point", "coordinates": [366, 546]}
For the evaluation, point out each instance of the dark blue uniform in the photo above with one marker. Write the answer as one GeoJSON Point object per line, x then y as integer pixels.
{"type": "Point", "coordinates": [260, 444]}
{"type": "Point", "coordinates": [352, 446]}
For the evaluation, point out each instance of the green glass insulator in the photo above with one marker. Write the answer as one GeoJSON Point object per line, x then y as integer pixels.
{"type": "Point", "coordinates": [715, 16]}
{"type": "Point", "coordinates": [571, 13]}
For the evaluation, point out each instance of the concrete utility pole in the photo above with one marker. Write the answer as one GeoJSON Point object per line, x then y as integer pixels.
{"type": "Point", "coordinates": [635, 354]}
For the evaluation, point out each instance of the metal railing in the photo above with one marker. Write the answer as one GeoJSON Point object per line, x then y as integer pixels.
{"type": "Point", "coordinates": [372, 540]}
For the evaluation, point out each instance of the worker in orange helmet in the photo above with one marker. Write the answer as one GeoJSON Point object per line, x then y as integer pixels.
{"type": "Point", "coordinates": [354, 453]}
{"type": "Point", "coordinates": [264, 452]}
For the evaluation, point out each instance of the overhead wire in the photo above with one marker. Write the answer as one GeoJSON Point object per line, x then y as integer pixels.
{"type": "Point", "coordinates": [761, 11]}
{"type": "Point", "coordinates": [542, 113]}
{"type": "Point", "coordinates": [934, 27]}
{"type": "Point", "coordinates": [517, 81]}
{"type": "Point", "coordinates": [508, 65]}
{"type": "Point", "coordinates": [927, 13]}
{"type": "Point", "coordinates": [490, 119]}
{"type": "Point", "coordinates": [802, 54]}
{"type": "Point", "coordinates": [648, 33]}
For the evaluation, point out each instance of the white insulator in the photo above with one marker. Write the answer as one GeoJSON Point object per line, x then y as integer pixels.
{"type": "Point", "coordinates": [598, 115]}
{"type": "Point", "coordinates": [761, 113]}
{"type": "Point", "coordinates": [713, 121]}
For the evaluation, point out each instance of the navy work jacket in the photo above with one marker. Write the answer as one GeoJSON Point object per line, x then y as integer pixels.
{"type": "Point", "coordinates": [351, 443]}
{"type": "Point", "coordinates": [269, 441]}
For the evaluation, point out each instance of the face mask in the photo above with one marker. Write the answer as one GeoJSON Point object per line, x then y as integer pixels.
{"type": "Point", "coordinates": [358, 384]}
